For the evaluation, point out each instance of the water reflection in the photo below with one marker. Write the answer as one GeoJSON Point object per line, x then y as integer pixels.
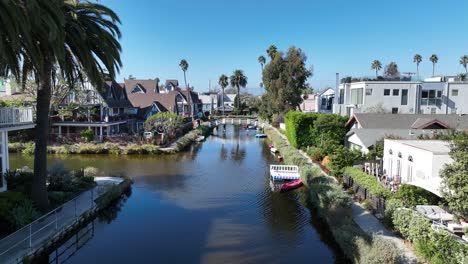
{"type": "Point", "coordinates": [211, 204]}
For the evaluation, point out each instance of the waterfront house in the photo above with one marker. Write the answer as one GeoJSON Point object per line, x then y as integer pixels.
{"type": "Point", "coordinates": [366, 129]}
{"type": "Point", "coordinates": [318, 102]}
{"type": "Point", "coordinates": [11, 119]}
{"type": "Point", "coordinates": [106, 111]}
{"type": "Point", "coordinates": [440, 95]}
{"type": "Point", "coordinates": [416, 162]}
{"type": "Point", "coordinates": [209, 102]}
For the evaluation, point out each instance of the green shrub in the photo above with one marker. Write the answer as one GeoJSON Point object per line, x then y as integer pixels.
{"type": "Point", "coordinates": [378, 250]}
{"type": "Point", "coordinates": [367, 205]}
{"type": "Point", "coordinates": [8, 201]}
{"type": "Point", "coordinates": [367, 181]}
{"type": "Point", "coordinates": [58, 197]}
{"type": "Point", "coordinates": [20, 180]}
{"type": "Point", "coordinates": [29, 148]}
{"type": "Point", "coordinates": [412, 195]}
{"type": "Point", "coordinates": [87, 135]}
{"type": "Point", "coordinates": [298, 127]}
{"type": "Point", "coordinates": [91, 171]}
{"type": "Point", "coordinates": [23, 214]}
{"type": "Point", "coordinates": [59, 178]}
{"type": "Point", "coordinates": [391, 205]}
{"type": "Point", "coordinates": [342, 158]}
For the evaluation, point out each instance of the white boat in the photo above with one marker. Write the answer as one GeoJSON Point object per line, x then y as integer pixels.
{"type": "Point", "coordinates": [273, 150]}
{"type": "Point", "coordinates": [259, 135]}
{"type": "Point", "coordinates": [284, 172]}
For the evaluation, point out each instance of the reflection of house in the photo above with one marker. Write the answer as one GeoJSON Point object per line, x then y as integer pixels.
{"type": "Point", "coordinates": [367, 129]}
{"type": "Point", "coordinates": [106, 111]}
{"type": "Point", "coordinates": [441, 95]}
{"type": "Point", "coordinates": [416, 162]}
{"type": "Point", "coordinates": [318, 102]}
{"type": "Point", "coordinates": [11, 119]}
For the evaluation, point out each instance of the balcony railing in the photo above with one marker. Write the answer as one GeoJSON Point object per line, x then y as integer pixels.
{"type": "Point", "coordinates": [15, 116]}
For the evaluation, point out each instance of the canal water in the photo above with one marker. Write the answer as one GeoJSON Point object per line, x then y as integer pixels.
{"type": "Point", "coordinates": [211, 204]}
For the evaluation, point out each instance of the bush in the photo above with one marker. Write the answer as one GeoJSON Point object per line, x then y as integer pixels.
{"type": "Point", "coordinates": [20, 180]}
{"type": "Point", "coordinates": [59, 178]}
{"type": "Point", "coordinates": [23, 214]}
{"type": "Point", "coordinates": [58, 197]}
{"type": "Point", "coordinates": [367, 181]}
{"type": "Point", "coordinates": [8, 201]}
{"type": "Point", "coordinates": [412, 195]}
{"type": "Point", "coordinates": [342, 158]}
{"type": "Point", "coordinates": [87, 135]}
{"type": "Point", "coordinates": [29, 148]}
{"type": "Point", "coordinates": [379, 250]}
{"type": "Point", "coordinates": [298, 127]}
{"type": "Point", "coordinates": [91, 171]}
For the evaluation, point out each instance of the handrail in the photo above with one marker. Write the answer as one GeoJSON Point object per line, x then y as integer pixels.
{"type": "Point", "coordinates": [13, 116]}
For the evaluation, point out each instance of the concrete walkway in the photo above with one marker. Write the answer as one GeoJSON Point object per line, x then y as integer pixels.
{"type": "Point", "coordinates": [31, 237]}
{"type": "Point", "coordinates": [367, 221]}
{"type": "Point", "coordinates": [371, 225]}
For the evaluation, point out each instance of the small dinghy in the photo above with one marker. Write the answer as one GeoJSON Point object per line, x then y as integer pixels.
{"type": "Point", "coordinates": [251, 127]}
{"type": "Point", "coordinates": [273, 150]}
{"type": "Point", "coordinates": [291, 185]}
{"type": "Point", "coordinates": [260, 135]}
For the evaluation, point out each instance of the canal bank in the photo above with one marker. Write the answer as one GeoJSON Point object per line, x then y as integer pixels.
{"type": "Point", "coordinates": [209, 204]}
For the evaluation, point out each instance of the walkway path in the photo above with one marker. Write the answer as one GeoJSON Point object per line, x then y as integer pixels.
{"type": "Point", "coordinates": [367, 221]}
{"type": "Point", "coordinates": [31, 237]}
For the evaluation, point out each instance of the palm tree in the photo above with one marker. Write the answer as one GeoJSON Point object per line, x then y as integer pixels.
{"type": "Point", "coordinates": [75, 39]}
{"type": "Point", "coordinates": [464, 62]}
{"type": "Point", "coordinates": [238, 79]}
{"type": "Point", "coordinates": [223, 82]}
{"type": "Point", "coordinates": [184, 66]}
{"type": "Point", "coordinates": [417, 59]}
{"type": "Point", "coordinates": [262, 61]}
{"type": "Point", "coordinates": [434, 59]}
{"type": "Point", "coordinates": [376, 65]}
{"type": "Point", "coordinates": [272, 51]}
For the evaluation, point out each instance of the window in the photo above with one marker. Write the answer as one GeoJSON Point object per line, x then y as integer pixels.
{"type": "Point", "coordinates": [455, 92]}
{"type": "Point", "coordinates": [395, 110]}
{"type": "Point", "coordinates": [386, 92]}
{"type": "Point", "coordinates": [399, 155]}
{"type": "Point", "coordinates": [431, 97]}
{"type": "Point", "coordinates": [433, 110]}
{"type": "Point", "coordinates": [390, 152]}
{"type": "Point", "coordinates": [115, 110]}
{"type": "Point", "coordinates": [356, 96]}
{"type": "Point", "coordinates": [368, 91]}
{"type": "Point", "coordinates": [137, 89]}
{"type": "Point", "coordinates": [341, 99]}
{"type": "Point", "coordinates": [410, 158]}
{"type": "Point", "coordinates": [396, 92]}
{"type": "Point", "coordinates": [404, 97]}
{"type": "Point", "coordinates": [454, 110]}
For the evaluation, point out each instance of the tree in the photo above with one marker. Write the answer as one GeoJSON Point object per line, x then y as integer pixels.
{"type": "Point", "coordinates": [262, 61]}
{"type": "Point", "coordinates": [417, 59]}
{"type": "Point", "coordinates": [157, 84]}
{"type": "Point", "coordinates": [272, 51]}
{"type": "Point", "coordinates": [164, 122]}
{"type": "Point", "coordinates": [131, 77]}
{"type": "Point", "coordinates": [434, 59]}
{"type": "Point", "coordinates": [61, 36]}
{"type": "Point", "coordinates": [238, 79]}
{"type": "Point", "coordinates": [391, 70]}
{"type": "Point", "coordinates": [223, 82]}
{"type": "Point", "coordinates": [462, 76]}
{"type": "Point", "coordinates": [376, 65]}
{"type": "Point", "coordinates": [454, 184]}
{"type": "Point", "coordinates": [184, 67]}
{"type": "Point", "coordinates": [464, 62]}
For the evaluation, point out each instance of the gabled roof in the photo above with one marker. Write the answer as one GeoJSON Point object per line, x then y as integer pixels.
{"type": "Point", "coordinates": [408, 121]}
{"type": "Point", "coordinates": [174, 83]}
{"type": "Point", "coordinates": [149, 86]}
{"type": "Point", "coordinates": [118, 98]}
{"type": "Point", "coordinates": [331, 90]}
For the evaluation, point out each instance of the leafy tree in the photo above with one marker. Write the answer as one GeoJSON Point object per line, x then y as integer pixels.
{"type": "Point", "coordinates": [53, 37]}
{"type": "Point", "coordinates": [462, 76]}
{"type": "Point", "coordinates": [391, 70]}
{"type": "Point", "coordinates": [330, 127]}
{"type": "Point", "coordinates": [417, 59]}
{"type": "Point", "coordinates": [284, 79]}
{"type": "Point", "coordinates": [454, 176]}
{"type": "Point", "coordinates": [464, 62]}
{"type": "Point", "coordinates": [342, 158]}
{"type": "Point", "coordinates": [272, 51]}
{"type": "Point", "coordinates": [238, 79]}
{"type": "Point", "coordinates": [164, 122]}
{"type": "Point", "coordinates": [223, 82]}
{"type": "Point", "coordinates": [434, 59]}
{"type": "Point", "coordinates": [376, 65]}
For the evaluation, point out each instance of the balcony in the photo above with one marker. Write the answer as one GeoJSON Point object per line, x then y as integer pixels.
{"type": "Point", "coordinates": [10, 117]}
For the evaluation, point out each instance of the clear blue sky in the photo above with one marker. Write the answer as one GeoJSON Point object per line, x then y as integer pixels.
{"type": "Point", "coordinates": [218, 36]}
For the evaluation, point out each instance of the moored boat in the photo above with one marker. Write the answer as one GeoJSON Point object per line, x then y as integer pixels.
{"type": "Point", "coordinates": [260, 135]}
{"type": "Point", "coordinates": [291, 185]}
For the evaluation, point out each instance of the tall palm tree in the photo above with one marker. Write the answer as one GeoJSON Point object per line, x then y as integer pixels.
{"type": "Point", "coordinates": [238, 79]}
{"type": "Point", "coordinates": [223, 82]}
{"type": "Point", "coordinates": [417, 59]}
{"type": "Point", "coordinates": [184, 66]}
{"type": "Point", "coordinates": [464, 62]}
{"type": "Point", "coordinates": [262, 61]}
{"type": "Point", "coordinates": [272, 51]}
{"type": "Point", "coordinates": [376, 65]}
{"type": "Point", "coordinates": [434, 59]}
{"type": "Point", "coordinates": [88, 49]}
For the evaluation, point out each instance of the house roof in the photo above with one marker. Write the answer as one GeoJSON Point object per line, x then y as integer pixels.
{"type": "Point", "coordinates": [148, 85]}
{"type": "Point", "coordinates": [174, 83]}
{"type": "Point", "coordinates": [408, 121]}
{"type": "Point", "coordinates": [119, 97]}
{"type": "Point", "coordinates": [434, 146]}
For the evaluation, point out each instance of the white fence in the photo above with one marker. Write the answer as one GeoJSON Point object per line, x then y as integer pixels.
{"type": "Point", "coordinates": [15, 116]}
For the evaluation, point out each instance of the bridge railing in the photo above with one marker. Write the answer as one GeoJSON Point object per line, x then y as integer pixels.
{"type": "Point", "coordinates": [15, 116]}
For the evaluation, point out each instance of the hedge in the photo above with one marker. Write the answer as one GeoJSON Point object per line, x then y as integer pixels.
{"type": "Point", "coordinates": [367, 181]}
{"type": "Point", "coordinates": [298, 127]}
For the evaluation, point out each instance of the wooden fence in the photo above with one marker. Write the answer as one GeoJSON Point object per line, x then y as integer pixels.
{"type": "Point", "coordinates": [377, 203]}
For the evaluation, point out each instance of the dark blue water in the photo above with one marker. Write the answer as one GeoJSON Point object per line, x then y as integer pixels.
{"type": "Point", "coordinates": [212, 204]}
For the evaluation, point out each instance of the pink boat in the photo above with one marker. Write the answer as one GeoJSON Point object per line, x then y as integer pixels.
{"type": "Point", "coordinates": [291, 185]}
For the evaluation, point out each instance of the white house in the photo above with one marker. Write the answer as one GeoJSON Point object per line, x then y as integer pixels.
{"type": "Point", "coordinates": [441, 95]}
{"type": "Point", "coordinates": [416, 162]}
{"type": "Point", "coordinates": [318, 102]}
{"type": "Point", "coordinates": [11, 119]}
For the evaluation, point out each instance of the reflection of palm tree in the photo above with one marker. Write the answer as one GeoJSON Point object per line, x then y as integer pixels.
{"type": "Point", "coordinates": [238, 154]}
{"type": "Point", "coordinates": [223, 153]}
